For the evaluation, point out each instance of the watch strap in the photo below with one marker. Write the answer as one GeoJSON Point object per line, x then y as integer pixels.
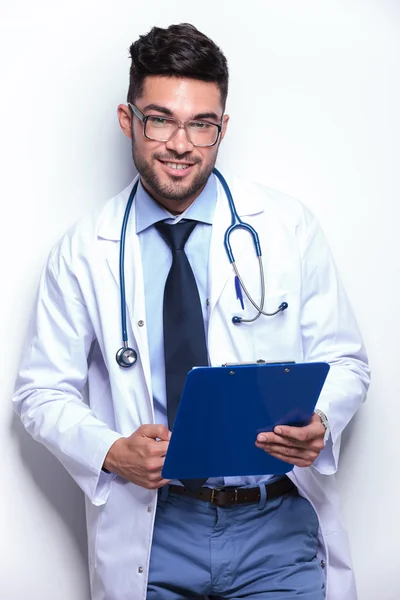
{"type": "Point", "coordinates": [325, 423]}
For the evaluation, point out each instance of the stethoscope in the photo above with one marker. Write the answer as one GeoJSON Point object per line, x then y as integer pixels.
{"type": "Point", "coordinates": [126, 357]}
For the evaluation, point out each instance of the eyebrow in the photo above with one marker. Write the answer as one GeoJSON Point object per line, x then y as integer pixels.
{"type": "Point", "coordinates": [159, 108]}
{"type": "Point", "coordinates": [207, 115]}
{"type": "Point", "coordinates": [166, 111]}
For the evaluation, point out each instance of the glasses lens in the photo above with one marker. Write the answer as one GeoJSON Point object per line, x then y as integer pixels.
{"type": "Point", "coordinates": [202, 134]}
{"type": "Point", "coordinates": [161, 129]}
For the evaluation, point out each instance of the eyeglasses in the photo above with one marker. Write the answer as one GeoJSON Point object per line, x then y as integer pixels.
{"type": "Point", "coordinates": [162, 129]}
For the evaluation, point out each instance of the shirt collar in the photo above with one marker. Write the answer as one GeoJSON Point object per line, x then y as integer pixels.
{"type": "Point", "coordinates": [148, 211]}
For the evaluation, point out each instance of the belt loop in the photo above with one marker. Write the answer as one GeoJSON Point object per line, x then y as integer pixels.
{"type": "Point", "coordinates": [163, 493]}
{"type": "Point", "coordinates": [263, 496]}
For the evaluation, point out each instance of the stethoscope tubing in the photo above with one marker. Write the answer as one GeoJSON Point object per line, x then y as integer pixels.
{"type": "Point", "coordinates": [126, 356]}
{"type": "Point", "coordinates": [122, 262]}
{"type": "Point", "coordinates": [237, 223]}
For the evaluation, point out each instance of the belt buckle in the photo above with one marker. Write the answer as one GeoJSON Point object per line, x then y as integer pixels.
{"type": "Point", "coordinates": [219, 489]}
{"type": "Point", "coordinates": [213, 491]}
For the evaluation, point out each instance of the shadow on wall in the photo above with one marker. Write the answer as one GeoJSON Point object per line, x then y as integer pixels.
{"type": "Point", "coordinates": [55, 483]}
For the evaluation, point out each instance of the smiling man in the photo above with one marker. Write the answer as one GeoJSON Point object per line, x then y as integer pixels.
{"type": "Point", "coordinates": [271, 537]}
{"type": "Point", "coordinates": [184, 119]}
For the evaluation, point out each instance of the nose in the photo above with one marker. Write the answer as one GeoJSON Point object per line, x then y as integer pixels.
{"type": "Point", "coordinates": [180, 142]}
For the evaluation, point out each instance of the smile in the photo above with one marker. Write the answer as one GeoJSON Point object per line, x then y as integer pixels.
{"type": "Point", "coordinates": [179, 166]}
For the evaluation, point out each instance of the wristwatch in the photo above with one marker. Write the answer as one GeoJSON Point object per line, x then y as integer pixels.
{"type": "Point", "coordinates": [325, 423]}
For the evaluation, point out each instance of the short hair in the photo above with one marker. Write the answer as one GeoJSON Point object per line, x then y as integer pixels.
{"type": "Point", "coordinates": [178, 51]}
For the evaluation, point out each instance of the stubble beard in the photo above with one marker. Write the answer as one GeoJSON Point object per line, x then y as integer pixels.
{"type": "Point", "coordinates": [175, 191]}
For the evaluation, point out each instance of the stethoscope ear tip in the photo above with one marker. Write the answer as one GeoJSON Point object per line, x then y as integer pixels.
{"type": "Point", "coordinates": [237, 320]}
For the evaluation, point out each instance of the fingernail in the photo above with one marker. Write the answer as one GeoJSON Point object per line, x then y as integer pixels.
{"type": "Point", "coordinates": [169, 435]}
{"type": "Point", "coordinates": [278, 430]}
{"type": "Point", "coordinates": [261, 438]}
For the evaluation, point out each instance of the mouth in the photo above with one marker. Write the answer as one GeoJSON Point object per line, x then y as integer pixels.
{"type": "Point", "coordinates": [177, 168]}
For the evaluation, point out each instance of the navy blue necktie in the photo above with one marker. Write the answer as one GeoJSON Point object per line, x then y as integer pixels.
{"type": "Point", "coordinates": [184, 336]}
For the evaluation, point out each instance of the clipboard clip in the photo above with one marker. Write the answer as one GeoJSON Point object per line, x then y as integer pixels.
{"type": "Point", "coordinates": [260, 361]}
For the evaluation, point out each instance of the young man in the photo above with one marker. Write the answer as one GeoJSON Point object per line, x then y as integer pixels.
{"type": "Point", "coordinates": [262, 537]}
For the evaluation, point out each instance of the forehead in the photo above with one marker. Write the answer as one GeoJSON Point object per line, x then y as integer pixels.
{"type": "Point", "coordinates": [181, 95]}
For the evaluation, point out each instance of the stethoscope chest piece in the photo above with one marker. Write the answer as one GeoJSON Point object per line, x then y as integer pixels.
{"type": "Point", "coordinates": [126, 357]}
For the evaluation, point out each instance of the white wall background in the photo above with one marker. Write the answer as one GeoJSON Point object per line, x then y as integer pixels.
{"type": "Point", "coordinates": [314, 106]}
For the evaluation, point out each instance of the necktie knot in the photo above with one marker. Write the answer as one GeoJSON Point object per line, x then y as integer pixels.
{"type": "Point", "coordinates": [177, 235]}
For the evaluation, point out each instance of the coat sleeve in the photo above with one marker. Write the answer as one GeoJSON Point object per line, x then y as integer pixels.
{"type": "Point", "coordinates": [48, 393]}
{"type": "Point", "coordinates": [330, 333]}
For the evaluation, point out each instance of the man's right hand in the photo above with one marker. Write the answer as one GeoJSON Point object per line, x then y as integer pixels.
{"type": "Point", "coordinates": [140, 457]}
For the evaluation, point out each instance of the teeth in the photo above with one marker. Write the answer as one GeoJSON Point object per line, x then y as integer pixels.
{"type": "Point", "coordinates": [176, 166]}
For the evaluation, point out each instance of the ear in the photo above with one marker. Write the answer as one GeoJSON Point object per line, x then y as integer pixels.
{"type": "Point", "coordinates": [224, 126]}
{"type": "Point", "coordinates": [125, 119]}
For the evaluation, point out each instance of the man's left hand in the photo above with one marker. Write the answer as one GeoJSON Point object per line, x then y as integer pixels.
{"type": "Point", "coordinates": [298, 446]}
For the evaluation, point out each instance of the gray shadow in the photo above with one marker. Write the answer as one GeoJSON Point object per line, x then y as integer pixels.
{"type": "Point", "coordinates": [55, 484]}
{"type": "Point", "coordinates": [348, 434]}
{"type": "Point", "coordinates": [349, 454]}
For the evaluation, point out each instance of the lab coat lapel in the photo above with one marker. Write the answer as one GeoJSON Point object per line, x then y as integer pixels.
{"type": "Point", "coordinates": [109, 229]}
{"type": "Point", "coordinates": [110, 232]}
{"type": "Point", "coordinates": [220, 271]}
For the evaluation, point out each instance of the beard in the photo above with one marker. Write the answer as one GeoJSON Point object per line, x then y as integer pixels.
{"type": "Point", "coordinates": [174, 190]}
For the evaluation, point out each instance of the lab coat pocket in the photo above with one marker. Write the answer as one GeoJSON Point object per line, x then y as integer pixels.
{"type": "Point", "coordinates": [123, 535]}
{"type": "Point", "coordinates": [277, 337]}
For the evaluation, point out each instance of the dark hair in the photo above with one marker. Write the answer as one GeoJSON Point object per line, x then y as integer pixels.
{"type": "Point", "coordinates": [178, 51]}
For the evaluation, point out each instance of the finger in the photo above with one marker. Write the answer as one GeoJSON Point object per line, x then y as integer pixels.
{"type": "Point", "coordinates": [155, 432]}
{"type": "Point", "coordinates": [161, 483]}
{"type": "Point", "coordinates": [301, 459]}
{"type": "Point", "coordinates": [289, 453]}
{"type": "Point", "coordinates": [156, 484]}
{"type": "Point", "coordinates": [296, 461]}
{"type": "Point", "coordinates": [154, 465]}
{"type": "Point", "coordinates": [272, 438]}
{"type": "Point", "coordinates": [164, 482]}
{"type": "Point", "coordinates": [155, 448]}
{"type": "Point", "coordinates": [301, 434]}
{"type": "Point", "coordinates": [284, 446]}
{"type": "Point", "coordinates": [280, 440]}
{"type": "Point", "coordinates": [156, 477]}
{"type": "Point", "coordinates": [151, 470]}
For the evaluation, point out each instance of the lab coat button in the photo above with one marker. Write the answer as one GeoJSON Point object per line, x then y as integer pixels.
{"type": "Point", "coordinates": [140, 323]}
{"type": "Point", "coordinates": [149, 509]}
{"type": "Point", "coordinates": [140, 569]}
{"type": "Point", "coordinates": [323, 564]}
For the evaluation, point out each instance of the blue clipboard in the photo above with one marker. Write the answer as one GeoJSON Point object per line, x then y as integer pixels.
{"type": "Point", "coordinates": [222, 410]}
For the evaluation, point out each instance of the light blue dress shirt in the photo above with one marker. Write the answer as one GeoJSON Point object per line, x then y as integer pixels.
{"type": "Point", "coordinates": [156, 260]}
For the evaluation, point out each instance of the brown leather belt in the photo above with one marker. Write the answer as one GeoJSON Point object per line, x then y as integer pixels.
{"type": "Point", "coordinates": [228, 496]}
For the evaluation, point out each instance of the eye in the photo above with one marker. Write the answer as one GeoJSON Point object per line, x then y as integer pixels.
{"type": "Point", "coordinates": [158, 121]}
{"type": "Point", "coordinates": [199, 125]}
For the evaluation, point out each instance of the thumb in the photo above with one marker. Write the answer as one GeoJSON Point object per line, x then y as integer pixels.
{"type": "Point", "coordinates": [155, 432]}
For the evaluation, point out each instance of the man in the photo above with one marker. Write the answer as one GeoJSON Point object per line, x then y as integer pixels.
{"type": "Point", "coordinates": [281, 538]}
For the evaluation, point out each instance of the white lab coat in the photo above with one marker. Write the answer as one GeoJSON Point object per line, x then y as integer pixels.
{"type": "Point", "coordinates": [76, 332]}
